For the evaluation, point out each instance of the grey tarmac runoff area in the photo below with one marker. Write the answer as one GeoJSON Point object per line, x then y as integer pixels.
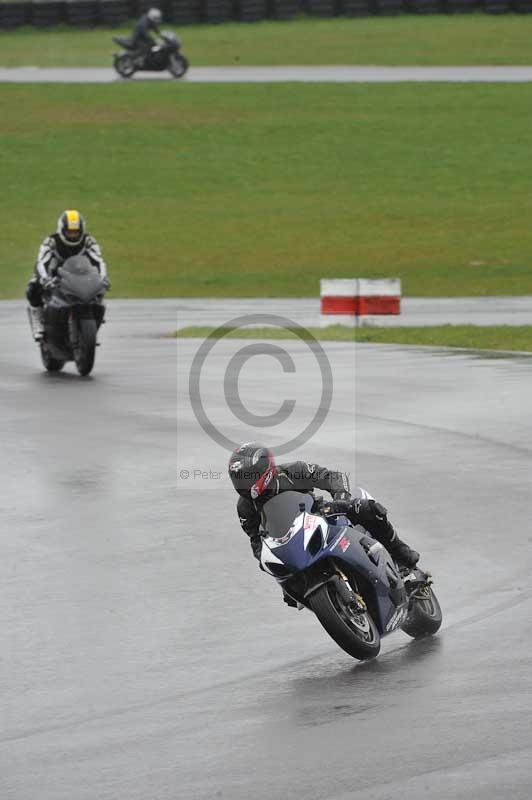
{"type": "Point", "coordinates": [143, 654]}
{"type": "Point", "coordinates": [339, 74]}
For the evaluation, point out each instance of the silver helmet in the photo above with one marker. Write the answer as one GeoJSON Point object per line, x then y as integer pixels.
{"type": "Point", "coordinates": [155, 15]}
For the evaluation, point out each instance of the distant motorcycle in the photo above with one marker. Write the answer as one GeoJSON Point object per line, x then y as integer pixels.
{"type": "Point", "coordinates": [166, 56]}
{"type": "Point", "coordinates": [342, 574]}
{"type": "Point", "coordinates": [73, 312]}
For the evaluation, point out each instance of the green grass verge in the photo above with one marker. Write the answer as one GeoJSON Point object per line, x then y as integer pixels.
{"type": "Point", "coordinates": [405, 40]}
{"type": "Point", "coordinates": [260, 190]}
{"type": "Point", "coordinates": [503, 337]}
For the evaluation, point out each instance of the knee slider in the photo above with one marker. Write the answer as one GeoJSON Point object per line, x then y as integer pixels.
{"type": "Point", "coordinates": [369, 510]}
{"type": "Point", "coordinates": [379, 510]}
{"type": "Point", "coordinates": [34, 294]}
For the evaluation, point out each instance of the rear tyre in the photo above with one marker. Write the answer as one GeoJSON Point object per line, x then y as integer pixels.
{"type": "Point", "coordinates": [125, 65]}
{"type": "Point", "coordinates": [50, 364]}
{"type": "Point", "coordinates": [356, 633]}
{"type": "Point", "coordinates": [177, 66]}
{"type": "Point", "coordinates": [424, 617]}
{"type": "Point", "coordinates": [85, 351]}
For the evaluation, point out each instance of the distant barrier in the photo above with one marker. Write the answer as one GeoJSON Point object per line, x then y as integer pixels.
{"type": "Point", "coordinates": [359, 301]}
{"type": "Point", "coordinates": [89, 13]}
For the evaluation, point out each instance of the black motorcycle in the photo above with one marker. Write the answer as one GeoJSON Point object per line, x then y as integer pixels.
{"type": "Point", "coordinates": [165, 56]}
{"type": "Point", "coordinates": [73, 312]}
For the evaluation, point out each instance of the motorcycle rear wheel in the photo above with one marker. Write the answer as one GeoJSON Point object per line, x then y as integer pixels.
{"type": "Point", "coordinates": [86, 347]}
{"type": "Point", "coordinates": [49, 363]}
{"type": "Point", "coordinates": [424, 617]}
{"type": "Point", "coordinates": [125, 65]}
{"type": "Point", "coordinates": [177, 65]}
{"type": "Point", "coordinates": [356, 633]}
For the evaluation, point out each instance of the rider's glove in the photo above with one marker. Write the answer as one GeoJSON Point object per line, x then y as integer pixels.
{"type": "Point", "coordinates": [256, 545]}
{"type": "Point", "coordinates": [341, 506]}
{"type": "Point", "coordinates": [341, 502]}
{"type": "Point", "coordinates": [106, 283]}
{"type": "Point", "coordinates": [49, 283]}
{"type": "Point", "coordinates": [342, 496]}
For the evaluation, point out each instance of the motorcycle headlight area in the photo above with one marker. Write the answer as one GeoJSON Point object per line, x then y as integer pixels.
{"type": "Point", "coordinates": [316, 543]}
{"type": "Point", "coordinates": [278, 570]}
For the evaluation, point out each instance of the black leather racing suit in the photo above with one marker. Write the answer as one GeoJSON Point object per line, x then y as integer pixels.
{"type": "Point", "coordinates": [141, 39]}
{"type": "Point", "coordinates": [298, 476]}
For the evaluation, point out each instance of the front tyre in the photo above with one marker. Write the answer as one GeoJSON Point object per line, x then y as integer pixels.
{"type": "Point", "coordinates": [424, 617]}
{"type": "Point", "coordinates": [86, 346]}
{"type": "Point", "coordinates": [50, 364]}
{"type": "Point", "coordinates": [177, 65]}
{"type": "Point", "coordinates": [125, 65]}
{"type": "Point", "coordinates": [355, 632]}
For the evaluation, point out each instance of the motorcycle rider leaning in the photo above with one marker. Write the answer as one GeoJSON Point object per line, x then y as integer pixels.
{"type": "Point", "coordinates": [257, 479]}
{"type": "Point", "coordinates": [141, 39]}
{"type": "Point", "coordinates": [70, 239]}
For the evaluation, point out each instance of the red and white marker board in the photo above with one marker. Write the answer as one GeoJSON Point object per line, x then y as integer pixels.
{"type": "Point", "coordinates": [359, 301]}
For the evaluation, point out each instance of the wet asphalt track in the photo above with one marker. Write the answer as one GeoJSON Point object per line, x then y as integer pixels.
{"type": "Point", "coordinates": [141, 660]}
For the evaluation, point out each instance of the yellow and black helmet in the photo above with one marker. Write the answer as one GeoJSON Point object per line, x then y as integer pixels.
{"type": "Point", "coordinates": [71, 227]}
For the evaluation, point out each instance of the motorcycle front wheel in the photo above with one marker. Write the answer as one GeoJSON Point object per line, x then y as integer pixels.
{"type": "Point", "coordinates": [49, 363]}
{"type": "Point", "coordinates": [354, 632]}
{"type": "Point", "coordinates": [86, 346]}
{"type": "Point", "coordinates": [125, 65]}
{"type": "Point", "coordinates": [177, 65]}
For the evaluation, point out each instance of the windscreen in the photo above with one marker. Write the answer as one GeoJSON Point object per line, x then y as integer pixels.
{"type": "Point", "coordinates": [78, 265]}
{"type": "Point", "coordinates": [80, 280]}
{"type": "Point", "coordinates": [279, 513]}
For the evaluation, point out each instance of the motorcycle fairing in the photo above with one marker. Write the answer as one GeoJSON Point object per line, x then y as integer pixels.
{"type": "Point", "coordinates": [80, 284]}
{"type": "Point", "coordinates": [360, 553]}
{"type": "Point", "coordinates": [79, 291]}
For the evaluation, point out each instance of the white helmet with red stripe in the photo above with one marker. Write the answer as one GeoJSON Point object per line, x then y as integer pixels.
{"type": "Point", "coordinates": [252, 470]}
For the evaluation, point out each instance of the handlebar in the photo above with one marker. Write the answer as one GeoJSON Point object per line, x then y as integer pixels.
{"type": "Point", "coordinates": [331, 507]}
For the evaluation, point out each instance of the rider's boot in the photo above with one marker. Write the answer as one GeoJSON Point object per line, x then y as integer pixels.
{"type": "Point", "coordinates": [401, 552]}
{"type": "Point", "coordinates": [37, 322]}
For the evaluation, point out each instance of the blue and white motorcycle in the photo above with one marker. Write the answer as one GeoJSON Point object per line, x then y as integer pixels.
{"type": "Point", "coordinates": [344, 575]}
